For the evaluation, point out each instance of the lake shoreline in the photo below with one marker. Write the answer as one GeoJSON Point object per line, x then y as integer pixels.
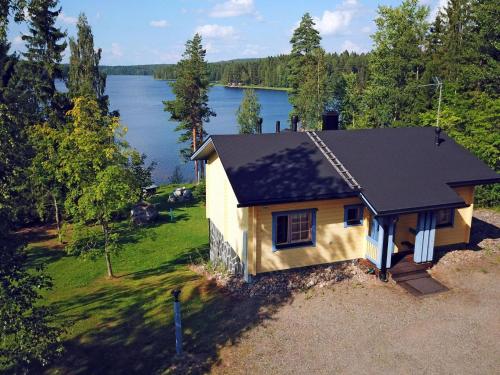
{"type": "Point", "coordinates": [255, 87]}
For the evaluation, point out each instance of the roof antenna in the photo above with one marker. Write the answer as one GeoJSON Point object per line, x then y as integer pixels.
{"type": "Point", "coordinates": [439, 86]}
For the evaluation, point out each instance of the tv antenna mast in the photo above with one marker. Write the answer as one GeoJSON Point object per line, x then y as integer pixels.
{"type": "Point", "coordinates": [439, 86]}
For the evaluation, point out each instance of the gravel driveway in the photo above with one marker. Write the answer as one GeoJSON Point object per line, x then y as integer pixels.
{"type": "Point", "coordinates": [370, 327]}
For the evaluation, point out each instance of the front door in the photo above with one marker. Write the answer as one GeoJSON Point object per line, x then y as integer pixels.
{"type": "Point", "coordinates": [424, 238]}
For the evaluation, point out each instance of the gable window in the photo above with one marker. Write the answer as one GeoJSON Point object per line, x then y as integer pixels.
{"type": "Point", "coordinates": [353, 215]}
{"type": "Point", "coordinates": [294, 228]}
{"type": "Point", "coordinates": [444, 218]}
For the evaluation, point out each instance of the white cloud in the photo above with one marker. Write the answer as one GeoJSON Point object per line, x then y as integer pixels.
{"type": "Point", "coordinates": [332, 22]}
{"type": "Point", "coordinates": [441, 5]}
{"type": "Point", "coordinates": [351, 47]}
{"type": "Point", "coordinates": [158, 23]}
{"type": "Point", "coordinates": [210, 48]}
{"type": "Point", "coordinates": [216, 31]}
{"type": "Point", "coordinates": [68, 20]}
{"type": "Point", "coordinates": [366, 29]}
{"type": "Point", "coordinates": [233, 8]}
{"type": "Point", "coordinates": [253, 50]}
{"type": "Point", "coordinates": [116, 50]}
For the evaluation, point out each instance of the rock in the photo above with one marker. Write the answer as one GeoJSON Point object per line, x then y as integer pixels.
{"type": "Point", "coordinates": [143, 213]}
{"type": "Point", "coordinates": [181, 195]}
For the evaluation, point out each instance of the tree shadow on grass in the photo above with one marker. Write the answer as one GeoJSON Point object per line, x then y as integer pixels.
{"type": "Point", "coordinates": [134, 331]}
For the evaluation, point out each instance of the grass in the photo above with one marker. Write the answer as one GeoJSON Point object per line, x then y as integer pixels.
{"type": "Point", "coordinates": [124, 325]}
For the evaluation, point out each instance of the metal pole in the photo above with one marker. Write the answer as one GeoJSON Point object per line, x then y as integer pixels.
{"type": "Point", "coordinates": [439, 102]}
{"type": "Point", "coordinates": [177, 320]}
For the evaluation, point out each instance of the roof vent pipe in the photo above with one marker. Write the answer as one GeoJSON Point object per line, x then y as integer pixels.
{"type": "Point", "coordinates": [437, 139]}
{"type": "Point", "coordinates": [330, 121]}
{"type": "Point", "coordinates": [295, 120]}
{"type": "Point", "coordinates": [259, 125]}
{"type": "Point", "coordinates": [278, 125]}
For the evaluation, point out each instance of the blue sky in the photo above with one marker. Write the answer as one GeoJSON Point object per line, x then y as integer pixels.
{"type": "Point", "coordinates": [155, 31]}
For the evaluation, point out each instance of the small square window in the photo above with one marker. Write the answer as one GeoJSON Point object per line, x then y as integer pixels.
{"type": "Point", "coordinates": [353, 215]}
{"type": "Point", "coordinates": [444, 218]}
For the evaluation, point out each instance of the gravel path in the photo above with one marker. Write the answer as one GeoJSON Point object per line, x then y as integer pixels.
{"type": "Point", "coordinates": [369, 327]}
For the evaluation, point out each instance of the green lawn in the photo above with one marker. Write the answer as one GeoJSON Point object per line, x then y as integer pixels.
{"type": "Point", "coordinates": [124, 325]}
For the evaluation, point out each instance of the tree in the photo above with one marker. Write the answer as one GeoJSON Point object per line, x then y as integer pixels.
{"type": "Point", "coordinates": [138, 168]}
{"type": "Point", "coordinates": [113, 190]}
{"type": "Point", "coordinates": [311, 88]}
{"type": "Point", "coordinates": [43, 55]}
{"type": "Point", "coordinates": [248, 112]}
{"type": "Point", "coordinates": [190, 106]}
{"type": "Point", "coordinates": [101, 184]}
{"type": "Point", "coordinates": [27, 332]}
{"type": "Point", "coordinates": [393, 96]}
{"type": "Point", "coordinates": [315, 91]}
{"type": "Point", "coordinates": [84, 77]}
{"type": "Point", "coordinates": [45, 173]}
{"type": "Point", "coordinates": [351, 102]}
{"type": "Point", "coordinates": [177, 177]}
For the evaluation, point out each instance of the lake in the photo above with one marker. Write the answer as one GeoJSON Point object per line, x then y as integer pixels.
{"type": "Point", "coordinates": [139, 100]}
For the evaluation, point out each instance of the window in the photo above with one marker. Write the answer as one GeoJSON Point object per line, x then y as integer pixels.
{"type": "Point", "coordinates": [353, 215]}
{"type": "Point", "coordinates": [294, 228]}
{"type": "Point", "coordinates": [444, 218]}
{"type": "Point", "coordinates": [374, 229]}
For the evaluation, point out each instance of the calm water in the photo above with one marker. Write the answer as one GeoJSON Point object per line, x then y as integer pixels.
{"type": "Point", "coordinates": [139, 100]}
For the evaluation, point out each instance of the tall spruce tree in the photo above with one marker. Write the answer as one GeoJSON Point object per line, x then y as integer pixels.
{"type": "Point", "coordinates": [84, 77]}
{"type": "Point", "coordinates": [393, 96]}
{"type": "Point", "coordinates": [248, 112]}
{"type": "Point", "coordinates": [190, 106]}
{"type": "Point", "coordinates": [44, 47]}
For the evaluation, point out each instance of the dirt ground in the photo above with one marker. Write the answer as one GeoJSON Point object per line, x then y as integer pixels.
{"type": "Point", "coordinates": [371, 327]}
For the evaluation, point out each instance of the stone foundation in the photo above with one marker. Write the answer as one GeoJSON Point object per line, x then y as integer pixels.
{"type": "Point", "coordinates": [221, 252]}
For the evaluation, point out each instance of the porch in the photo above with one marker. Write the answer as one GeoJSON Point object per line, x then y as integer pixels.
{"type": "Point", "coordinates": [400, 241]}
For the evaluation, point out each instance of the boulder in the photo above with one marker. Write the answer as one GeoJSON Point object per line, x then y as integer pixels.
{"type": "Point", "coordinates": [181, 195]}
{"type": "Point", "coordinates": [143, 213]}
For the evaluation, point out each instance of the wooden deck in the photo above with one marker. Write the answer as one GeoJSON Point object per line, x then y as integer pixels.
{"type": "Point", "coordinates": [414, 277]}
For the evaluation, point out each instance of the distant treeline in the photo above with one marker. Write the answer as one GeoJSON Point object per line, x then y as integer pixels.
{"type": "Point", "coordinates": [267, 71]}
{"type": "Point", "coordinates": [271, 71]}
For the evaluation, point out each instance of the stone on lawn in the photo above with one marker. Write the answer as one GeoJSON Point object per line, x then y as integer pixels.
{"type": "Point", "coordinates": [143, 213]}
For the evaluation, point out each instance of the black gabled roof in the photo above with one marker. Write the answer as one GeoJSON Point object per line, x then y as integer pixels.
{"type": "Point", "coordinates": [274, 168]}
{"type": "Point", "coordinates": [399, 169]}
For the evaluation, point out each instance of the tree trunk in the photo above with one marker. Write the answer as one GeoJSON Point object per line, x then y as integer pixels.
{"type": "Point", "coordinates": [194, 149]}
{"type": "Point", "coordinates": [58, 221]}
{"type": "Point", "coordinates": [107, 256]}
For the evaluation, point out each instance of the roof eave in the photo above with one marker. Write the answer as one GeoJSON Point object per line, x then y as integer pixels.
{"type": "Point", "coordinates": [295, 200]}
{"type": "Point", "coordinates": [204, 151]}
{"type": "Point", "coordinates": [412, 210]}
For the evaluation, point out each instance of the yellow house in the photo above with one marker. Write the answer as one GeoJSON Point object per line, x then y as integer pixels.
{"type": "Point", "coordinates": [294, 199]}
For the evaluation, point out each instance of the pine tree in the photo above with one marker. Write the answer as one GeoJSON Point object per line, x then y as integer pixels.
{"type": "Point", "coordinates": [305, 40]}
{"type": "Point", "coordinates": [311, 89]}
{"type": "Point", "coordinates": [43, 56]}
{"type": "Point", "coordinates": [190, 106]}
{"type": "Point", "coordinates": [248, 113]}
{"type": "Point", "coordinates": [84, 77]}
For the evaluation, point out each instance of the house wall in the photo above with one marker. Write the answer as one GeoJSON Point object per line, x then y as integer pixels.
{"type": "Point", "coordinates": [222, 208]}
{"type": "Point", "coordinates": [334, 242]}
{"type": "Point", "coordinates": [460, 232]}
